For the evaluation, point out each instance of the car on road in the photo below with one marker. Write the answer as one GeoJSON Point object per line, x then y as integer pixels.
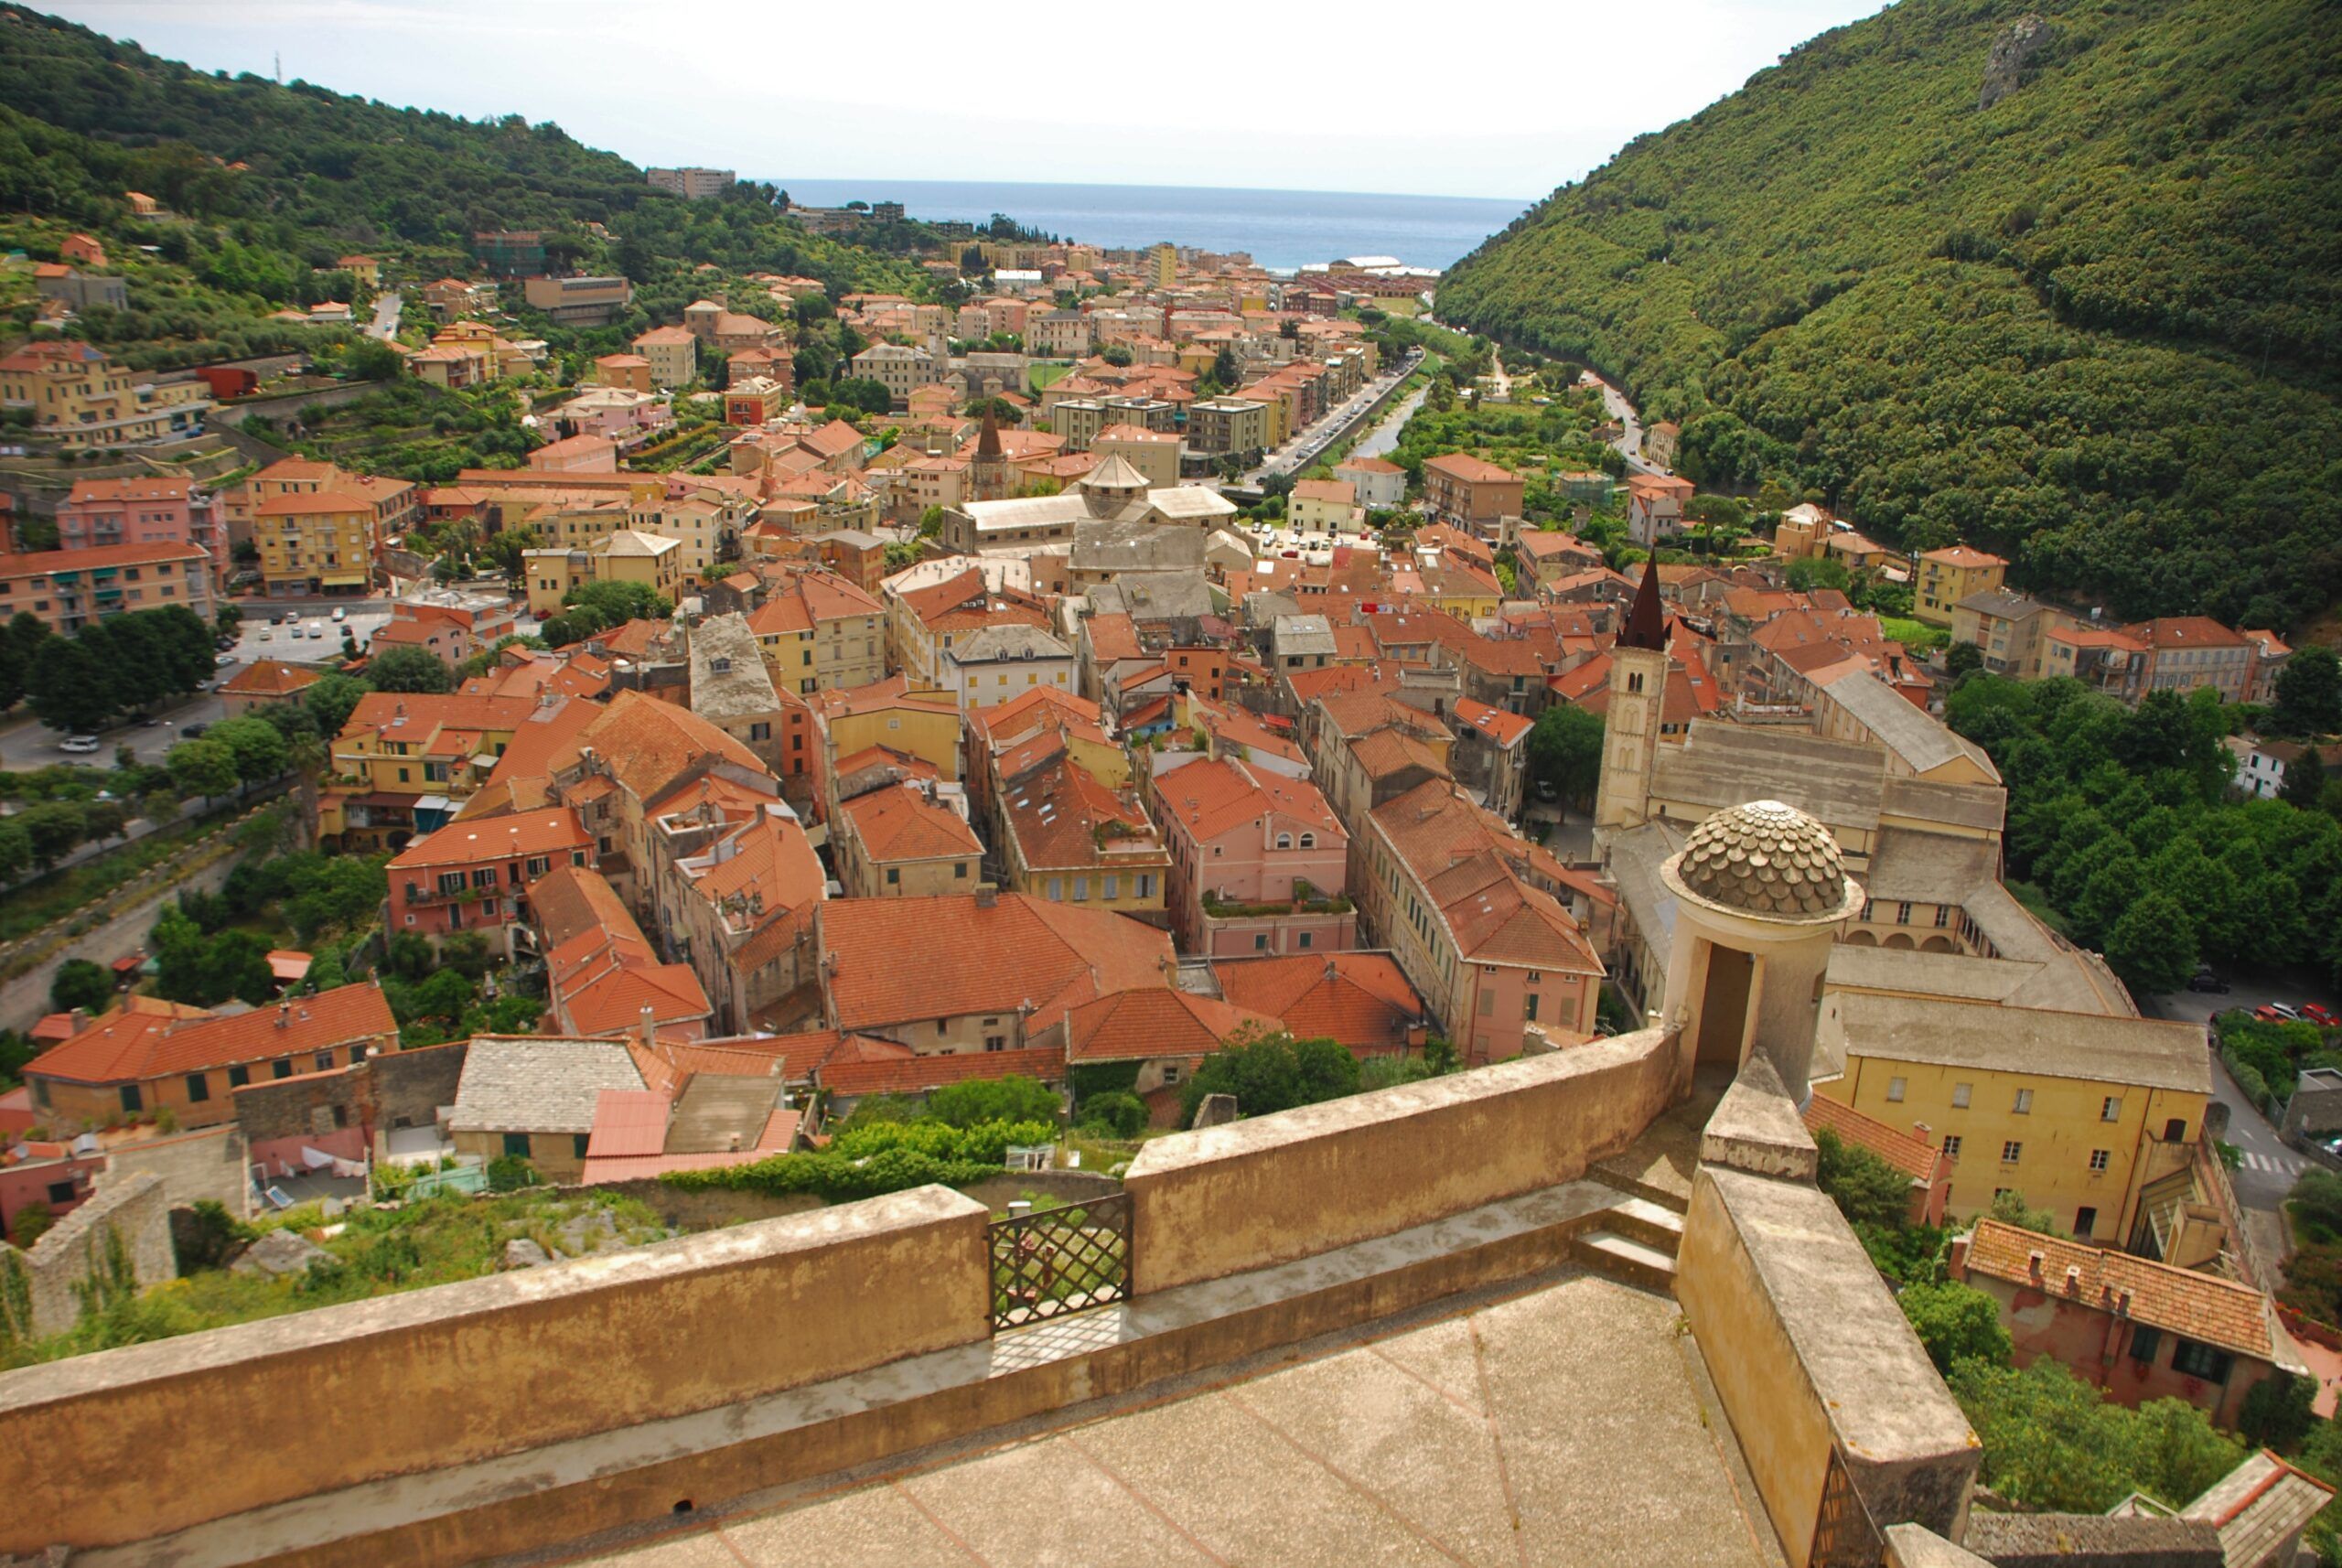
{"type": "Point", "coordinates": [2205, 980]}
{"type": "Point", "coordinates": [2276, 1013]}
{"type": "Point", "coordinates": [194, 732]}
{"type": "Point", "coordinates": [265, 634]}
{"type": "Point", "coordinates": [2320, 1014]}
{"type": "Point", "coordinates": [341, 612]}
{"type": "Point", "coordinates": [317, 628]}
{"type": "Point", "coordinates": [79, 743]}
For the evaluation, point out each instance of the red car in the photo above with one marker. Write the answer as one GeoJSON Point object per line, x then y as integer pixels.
{"type": "Point", "coordinates": [2323, 1017]}
{"type": "Point", "coordinates": [2276, 1013]}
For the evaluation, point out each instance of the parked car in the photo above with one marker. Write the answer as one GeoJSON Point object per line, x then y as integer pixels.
{"type": "Point", "coordinates": [341, 612]}
{"type": "Point", "coordinates": [2205, 980]}
{"type": "Point", "coordinates": [317, 628]}
{"type": "Point", "coordinates": [2276, 1013]}
{"type": "Point", "coordinates": [79, 743]}
{"type": "Point", "coordinates": [2323, 1016]}
{"type": "Point", "coordinates": [194, 731]}
{"type": "Point", "coordinates": [266, 635]}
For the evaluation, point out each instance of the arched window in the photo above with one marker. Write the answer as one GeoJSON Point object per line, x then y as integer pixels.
{"type": "Point", "coordinates": [1285, 841]}
{"type": "Point", "coordinates": [1309, 840]}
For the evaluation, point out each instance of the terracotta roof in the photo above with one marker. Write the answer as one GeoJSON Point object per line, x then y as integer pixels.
{"type": "Point", "coordinates": [571, 900]}
{"type": "Point", "coordinates": [1217, 794]}
{"type": "Point", "coordinates": [553, 830]}
{"type": "Point", "coordinates": [648, 744]}
{"type": "Point", "coordinates": [116, 1045]}
{"type": "Point", "coordinates": [918, 1074]}
{"type": "Point", "coordinates": [40, 562]}
{"type": "Point", "coordinates": [1459, 856]}
{"type": "Point", "coordinates": [1913, 1155]}
{"type": "Point", "coordinates": [1469, 470]}
{"type": "Point", "coordinates": [1360, 1000]}
{"type": "Point", "coordinates": [2201, 1306]}
{"type": "Point", "coordinates": [270, 678]}
{"type": "Point", "coordinates": [1022, 950]}
{"type": "Point", "coordinates": [902, 823]}
{"type": "Point", "coordinates": [1504, 728]}
{"type": "Point", "coordinates": [1154, 1021]}
{"type": "Point", "coordinates": [141, 1042]}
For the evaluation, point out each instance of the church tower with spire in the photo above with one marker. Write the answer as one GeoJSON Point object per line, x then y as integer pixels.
{"type": "Point", "coordinates": [1637, 705]}
{"type": "Point", "coordinates": [988, 469]}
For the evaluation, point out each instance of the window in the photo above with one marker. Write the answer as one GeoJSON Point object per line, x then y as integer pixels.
{"type": "Point", "coordinates": [240, 1076]}
{"type": "Point", "coordinates": [1943, 914]}
{"type": "Point", "coordinates": [578, 1142]}
{"type": "Point", "coordinates": [1146, 884]}
{"type": "Point", "coordinates": [198, 1088]}
{"type": "Point", "coordinates": [325, 1061]}
{"type": "Point", "coordinates": [2085, 1221]}
{"type": "Point", "coordinates": [1894, 1087]}
{"type": "Point", "coordinates": [894, 876]}
{"type": "Point", "coordinates": [2145, 1342]}
{"type": "Point", "coordinates": [1487, 1002]}
{"type": "Point", "coordinates": [760, 731]}
{"type": "Point", "coordinates": [995, 1042]}
{"type": "Point", "coordinates": [1171, 1072]}
{"type": "Point", "coordinates": [1959, 1096]}
{"type": "Point", "coordinates": [1285, 841]}
{"type": "Point", "coordinates": [1529, 1011]}
{"type": "Point", "coordinates": [539, 865]}
{"type": "Point", "coordinates": [60, 1192]}
{"type": "Point", "coordinates": [2175, 1131]}
{"type": "Point", "coordinates": [2023, 1106]}
{"type": "Point", "coordinates": [1082, 891]}
{"type": "Point", "coordinates": [1309, 840]}
{"type": "Point", "coordinates": [1057, 890]}
{"type": "Point", "coordinates": [1261, 944]}
{"type": "Point", "coordinates": [1952, 1145]}
{"type": "Point", "coordinates": [2011, 1152]}
{"type": "Point", "coordinates": [1304, 940]}
{"type": "Point", "coordinates": [2110, 1109]}
{"type": "Point", "coordinates": [281, 1068]}
{"type": "Point", "coordinates": [1902, 914]}
{"type": "Point", "coordinates": [2193, 1359]}
{"type": "Point", "coordinates": [484, 877]}
{"type": "Point", "coordinates": [516, 1145]}
{"type": "Point", "coordinates": [131, 1100]}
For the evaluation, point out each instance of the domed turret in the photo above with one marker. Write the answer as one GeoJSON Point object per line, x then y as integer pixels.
{"type": "Point", "coordinates": [1765, 858]}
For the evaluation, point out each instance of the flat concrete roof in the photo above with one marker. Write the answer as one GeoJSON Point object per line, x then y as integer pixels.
{"type": "Point", "coordinates": [1565, 1426]}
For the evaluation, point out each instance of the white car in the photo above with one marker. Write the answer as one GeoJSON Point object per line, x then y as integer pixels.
{"type": "Point", "coordinates": [341, 612]}
{"type": "Point", "coordinates": [79, 743]}
{"type": "Point", "coordinates": [317, 628]}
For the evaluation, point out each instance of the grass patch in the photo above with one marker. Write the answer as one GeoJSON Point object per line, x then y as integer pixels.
{"type": "Point", "coordinates": [380, 1252]}
{"type": "Point", "coordinates": [1917, 635]}
{"type": "Point", "coordinates": [26, 908]}
{"type": "Point", "coordinates": [1042, 374]}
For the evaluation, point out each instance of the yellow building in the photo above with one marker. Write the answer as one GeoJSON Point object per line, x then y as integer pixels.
{"type": "Point", "coordinates": [916, 722]}
{"type": "Point", "coordinates": [314, 541]}
{"type": "Point", "coordinates": [405, 762]}
{"type": "Point", "coordinates": [1947, 576]}
{"type": "Point", "coordinates": [79, 398]}
{"type": "Point", "coordinates": [2095, 1119]}
{"type": "Point", "coordinates": [625, 555]}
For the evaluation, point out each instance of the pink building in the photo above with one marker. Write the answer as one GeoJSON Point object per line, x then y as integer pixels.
{"type": "Point", "coordinates": [47, 1173]}
{"type": "Point", "coordinates": [100, 513]}
{"type": "Point", "coordinates": [576, 455]}
{"type": "Point", "coordinates": [1257, 861]}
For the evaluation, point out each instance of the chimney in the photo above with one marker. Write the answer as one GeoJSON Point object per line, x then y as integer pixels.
{"type": "Point", "coordinates": [80, 1019]}
{"type": "Point", "coordinates": [987, 895]}
{"type": "Point", "coordinates": [2032, 1265]}
{"type": "Point", "coordinates": [1958, 1262]}
{"type": "Point", "coordinates": [2073, 1278]}
{"type": "Point", "coordinates": [649, 1028]}
{"type": "Point", "coordinates": [285, 1015]}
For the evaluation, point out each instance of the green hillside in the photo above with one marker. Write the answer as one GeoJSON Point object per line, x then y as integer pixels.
{"type": "Point", "coordinates": [84, 119]}
{"type": "Point", "coordinates": [2096, 326]}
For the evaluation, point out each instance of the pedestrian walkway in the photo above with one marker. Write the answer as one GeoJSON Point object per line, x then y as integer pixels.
{"type": "Point", "coordinates": [2273, 1165]}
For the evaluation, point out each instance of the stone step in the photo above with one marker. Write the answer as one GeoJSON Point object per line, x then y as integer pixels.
{"type": "Point", "coordinates": [1622, 1174]}
{"type": "Point", "coordinates": [1634, 1262]}
{"type": "Point", "coordinates": [1640, 1220]}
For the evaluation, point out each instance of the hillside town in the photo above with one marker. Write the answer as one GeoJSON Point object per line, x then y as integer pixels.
{"type": "Point", "coordinates": [1088, 817]}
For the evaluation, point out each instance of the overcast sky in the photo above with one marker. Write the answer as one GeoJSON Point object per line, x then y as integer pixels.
{"type": "Point", "coordinates": [1476, 99]}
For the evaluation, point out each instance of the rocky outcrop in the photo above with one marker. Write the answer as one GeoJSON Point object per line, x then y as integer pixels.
{"type": "Point", "coordinates": [2004, 66]}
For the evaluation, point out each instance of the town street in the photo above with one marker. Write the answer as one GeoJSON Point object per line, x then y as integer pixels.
{"type": "Point", "coordinates": [386, 316]}
{"type": "Point", "coordinates": [1324, 431]}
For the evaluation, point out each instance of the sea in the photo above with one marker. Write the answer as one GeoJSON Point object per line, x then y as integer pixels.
{"type": "Point", "coordinates": [1280, 229]}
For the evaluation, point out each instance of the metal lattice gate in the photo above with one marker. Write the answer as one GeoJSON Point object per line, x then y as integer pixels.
{"type": "Point", "coordinates": [1061, 1260]}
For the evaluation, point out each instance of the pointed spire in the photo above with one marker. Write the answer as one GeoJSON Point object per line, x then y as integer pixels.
{"type": "Point", "coordinates": [1645, 621]}
{"type": "Point", "coordinates": [988, 440]}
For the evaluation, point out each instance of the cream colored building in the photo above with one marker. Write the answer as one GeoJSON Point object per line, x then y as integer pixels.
{"type": "Point", "coordinates": [625, 556]}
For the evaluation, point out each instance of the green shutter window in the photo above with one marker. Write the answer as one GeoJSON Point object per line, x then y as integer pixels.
{"type": "Point", "coordinates": [516, 1144]}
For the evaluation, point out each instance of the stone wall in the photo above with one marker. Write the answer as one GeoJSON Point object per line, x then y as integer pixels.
{"type": "Point", "coordinates": [705, 1208]}
{"type": "Point", "coordinates": [1221, 1200]}
{"type": "Point", "coordinates": [136, 1207]}
{"type": "Point", "coordinates": [1809, 1352]}
{"type": "Point", "coordinates": [311, 1104]}
{"type": "Point", "coordinates": [461, 1373]}
{"type": "Point", "coordinates": [408, 1087]}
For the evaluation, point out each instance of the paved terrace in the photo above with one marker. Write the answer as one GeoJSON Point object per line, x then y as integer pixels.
{"type": "Point", "coordinates": [1570, 1424]}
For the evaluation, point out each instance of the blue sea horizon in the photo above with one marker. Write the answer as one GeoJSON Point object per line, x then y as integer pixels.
{"type": "Point", "coordinates": [1283, 229]}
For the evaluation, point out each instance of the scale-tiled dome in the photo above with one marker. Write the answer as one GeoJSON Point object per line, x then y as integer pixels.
{"type": "Point", "coordinates": [1767, 858]}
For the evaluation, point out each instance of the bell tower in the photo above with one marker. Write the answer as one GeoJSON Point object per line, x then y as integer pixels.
{"type": "Point", "coordinates": [1637, 705]}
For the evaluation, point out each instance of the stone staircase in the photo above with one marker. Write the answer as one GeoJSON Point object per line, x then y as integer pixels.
{"type": "Point", "coordinates": [1635, 1240]}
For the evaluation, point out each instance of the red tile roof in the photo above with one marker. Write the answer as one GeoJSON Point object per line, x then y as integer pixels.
{"type": "Point", "coordinates": [2201, 1306]}
{"type": "Point", "coordinates": [901, 823]}
{"type": "Point", "coordinates": [1021, 952]}
{"type": "Point", "coordinates": [555, 831]}
{"type": "Point", "coordinates": [1359, 999]}
{"type": "Point", "coordinates": [270, 678]}
{"type": "Point", "coordinates": [1914, 1157]}
{"type": "Point", "coordinates": [150, 1039]}
{"type": "Point", "coordinates": [1152, 1022]}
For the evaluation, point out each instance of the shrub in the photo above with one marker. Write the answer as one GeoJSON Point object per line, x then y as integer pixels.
{"type": "Point", "coordinates": [209, 1237]}
{"type": "Point", "coordinates": [1866, 1189]}
{"type": "Point", "coordinates": [1956, 1323]}
{"type": "Point", "coordinates": [883, 1156]}
{"type": "Point", "coordinates": [1014, 1097]}
{"type": "Point", "coordinates": [2276, 1411]}
{"type": "Point", "coordinates": [32, 1222]}
{"type": "Point", "coordinates": [509, 1173]}
{"type": "Point", "coordinates": [1115, 1114]}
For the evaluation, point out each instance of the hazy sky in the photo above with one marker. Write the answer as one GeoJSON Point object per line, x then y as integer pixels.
{"type": "Point", "coordinates": [1475, 99]}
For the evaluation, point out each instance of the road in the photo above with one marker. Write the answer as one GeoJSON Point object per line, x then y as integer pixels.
{"type": "Point", "coordinates": [2270, 1167]}
{"type": "Point", "coordinates": [1322, 432]}
{"type": "Point", "coordinates": [26, 743]}
{"type": "Point", "coordinates": [1630, 444]}
{"type": "Point", "coordinates": [25, 999]}
{"type": "Point", "coordinates": [386, 314]}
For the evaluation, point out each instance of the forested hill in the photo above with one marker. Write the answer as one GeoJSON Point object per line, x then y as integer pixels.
{"type": "Point", "coordinates": [84, 119]}
{"type": "Point", "coordinates": [2061, 280]}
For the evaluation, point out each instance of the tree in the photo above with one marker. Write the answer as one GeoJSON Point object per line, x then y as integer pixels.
{"type": "Point", "coordinates": [330, 701]}
{"type": "Point", "coordinates": [1011, 1099]}
{"type": "Point", "coordinates": [260, 750]}
{"type": "Point", "coordinates": [2010, 1207]}
{"type": "Point", "coordinates": [1118, 1113]}
{"type": "Point", "coordinates": [408, 670]}
{"type": "Point", "coordinates": [2153, 945]}
{"type": "Point", "coordinates": [1960, 657]}
{"type": "Point", "coordinates": [2277, 1411]}
{"type": "Point", "coordinates": [52, 828]}
{"type": "Point", "coordinates": [1565, 751]}
{"type": "Point", "coordinates": [1956, 1323]}
{"type": "Point", "coordinates": [1866, 1189]}
{"type": "Point", "coordinates": [79, 984]}
{"type": "Point", "coordinates": [103, 819]}
{"type": "Point", "coordinates": [371, 360]}
{"type": "Point", "coordinates": [2309, 693]}
{"type": "Point", "coordinates": [2303, 785]}
{"type": "Point", "coordinates": [1808, 573]}
{"type": "Point", "coordinates": [204, 768]}
{"type": "Point", "coordinates": [861, 392]}
{"type": "Point", "coordinates": [2053, 1441]}
{"type": "Point", "coordinates": [237, 965]}
{"type": "Point", "coordinates": [69, 688]}
{"type": "Point", "coordinates": [15, 851]}
{"type": "Point", "coordinates": [1269, 1072]}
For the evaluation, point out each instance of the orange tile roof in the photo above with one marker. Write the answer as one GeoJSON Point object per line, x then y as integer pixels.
{"type": "Point", "coordinates": [1913, 1155]}
{"type": "Point", "coordinates": [901, 823]}
{"type": "Point", "coordinates": [116, 1045]}
{"type": "Point", "coordinates": [1359, 999]}
{"type": "Point", "coordinates": [40, 562]}
{"type": "Point", "coordinates": [270, 678]}
{"type": "Point", "coordinates": [2202, 1306]}
{"type": "Point", "coordinates": [555, 831]}
{"type": "Point", "coordinates": [1021, 952]}
{"type": "Point", "coordinates": [1471, 470]}
{"type": "Point", "coordinates": [1154, 1021]}
{"type": "Point", "coordinates": [648, 744]}
{"type": "Point", "coordinates": [141, 1043]}
{"type": "Point", "coordinates": [1498, 725]}
{"type": "Point", "coordinates": [1460, 855]}
{"type": "Point", "coordinates": [1215, 795]}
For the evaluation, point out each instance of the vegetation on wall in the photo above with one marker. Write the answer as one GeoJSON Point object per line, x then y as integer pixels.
{"type": "Point", "coordinates": [2093, 325]}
